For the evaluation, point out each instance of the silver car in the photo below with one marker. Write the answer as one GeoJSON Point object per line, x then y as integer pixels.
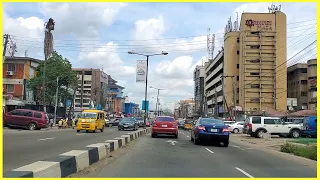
{"type": "Point", "coordinates": [236, 127]}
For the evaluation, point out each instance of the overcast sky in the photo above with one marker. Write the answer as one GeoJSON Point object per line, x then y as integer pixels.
{"type": "Point", "coordinates": [99, 35]}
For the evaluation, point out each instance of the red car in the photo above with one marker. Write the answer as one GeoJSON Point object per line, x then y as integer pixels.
{"type": "Point", "coordinates": [26, 118]}
{"type": "Point", "coordinates": [164, 125]}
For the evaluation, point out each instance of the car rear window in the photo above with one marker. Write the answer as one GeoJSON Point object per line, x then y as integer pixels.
{"type": "Point", "coordinates": [211, 121]}
{"type": "Point", "coordinates": [37, 115]}
{"type": "Point", "coordinates": [166, 119]}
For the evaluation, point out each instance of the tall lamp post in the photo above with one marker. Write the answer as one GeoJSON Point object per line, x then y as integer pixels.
{"type": "Point", "coordinates": [146, 90]}
{"type": "Point", "coordinates": [157, 98]}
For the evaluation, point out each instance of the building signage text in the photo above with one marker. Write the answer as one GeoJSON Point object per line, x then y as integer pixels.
{"type": "Point", "coordinates": [261, 25]}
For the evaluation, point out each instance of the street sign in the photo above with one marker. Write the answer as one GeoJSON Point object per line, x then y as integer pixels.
{"type": "Point", "coordinates": [144, 104]}
{"type": "Point", "coordinates": [99, 107]}
{"type": "Point", "coordinates": [68, 103]}
{"type": "Point", "coordinates": [141, 71]}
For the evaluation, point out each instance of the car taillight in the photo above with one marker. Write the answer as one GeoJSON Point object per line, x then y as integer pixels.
{"type": "Point", "coordinates": [201, 128]}
{"type": "Point", "coordinates": [250, 126]}
{"type": "Point", "coordinates": [225, 130]}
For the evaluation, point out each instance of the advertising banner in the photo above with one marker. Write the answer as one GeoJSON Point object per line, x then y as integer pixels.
{"type": "Point", "coordinates": [141, 71]}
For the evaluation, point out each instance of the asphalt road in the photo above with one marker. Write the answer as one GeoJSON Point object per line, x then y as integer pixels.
{"type": "Point", "coordinates": [24, 147]}
{"type": "Point", "coordinates": [156, 157]}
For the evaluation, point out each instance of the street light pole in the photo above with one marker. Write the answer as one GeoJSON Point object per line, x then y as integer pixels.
{"type": "Point", "coordinates": [146, 89]}
{"type": "Point", "coordinates": [56, 104]}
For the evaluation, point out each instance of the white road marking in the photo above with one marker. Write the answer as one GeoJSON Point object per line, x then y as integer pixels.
{"type": "Point", "coordinates": [80, 134]}
{"type": "Point", "coordinates": [172, 142]}
{"type": "Point", "coordinates": [209, 150]}
{"type": "Point", "coordinates": [46, 139]}
{"type": "Point", "coordinates": [243, 172]}
{"type": "Point", "coordinates": [238, 147]}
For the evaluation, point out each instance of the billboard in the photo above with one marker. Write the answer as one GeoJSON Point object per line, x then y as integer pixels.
{"type": "Point", "coordinates": [141, 71]}
{"type": "Point", "coordinates": [143, 105]}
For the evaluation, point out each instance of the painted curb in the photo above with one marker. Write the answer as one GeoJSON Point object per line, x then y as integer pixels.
{"type": "Point", "coordinates": [73, 161]}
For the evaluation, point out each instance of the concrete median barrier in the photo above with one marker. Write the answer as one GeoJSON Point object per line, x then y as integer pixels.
{"type": "Point", "coordinates": [73, 161]}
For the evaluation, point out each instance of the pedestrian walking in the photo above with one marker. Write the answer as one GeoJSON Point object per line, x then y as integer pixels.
{"type": "Point", "coordinates": [51, 123]}
{"type": "Point", "coordinates": [60, 123]}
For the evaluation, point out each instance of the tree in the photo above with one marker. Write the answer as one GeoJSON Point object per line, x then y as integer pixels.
{"type": "Point", "coordinates": [56, 66]}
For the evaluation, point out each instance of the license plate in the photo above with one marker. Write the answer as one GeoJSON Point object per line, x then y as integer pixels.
{"type": "Point", "coordinates": [214, 130]}
{"type": "Point", "coordinates": [125, 126]}
{"type": "Point", "coordinates": [164, 126]}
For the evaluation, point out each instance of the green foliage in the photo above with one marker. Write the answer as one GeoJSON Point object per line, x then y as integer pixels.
{"type": "Point", "coordinates": [56, 66]}
{"type": "Point", "coordinates": [309, 152]}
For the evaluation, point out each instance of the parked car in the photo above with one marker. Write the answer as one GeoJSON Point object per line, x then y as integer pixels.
{"type": "Point", "coordinates": [255, 126]}
{"type": "Point", "coordinates": [128, 123]}
{"type": "Point", "coordinates": [236, 127]}
{"type": "Point", "coordinates": [181, 124]}
{"type": "Point", "coordinates": [26, 118]}
{"type": "Point", "coordinates": [164, 125]}
{"type": "Point", "coordinates": [113, 122]}
{"type": "Point", "coordinates": [310, 126]}
{"type": "Point", "coordinates": [210, 130]}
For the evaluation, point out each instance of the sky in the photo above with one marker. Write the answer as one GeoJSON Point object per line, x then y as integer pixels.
{"type": "Point", "coordinates": [99, 35]}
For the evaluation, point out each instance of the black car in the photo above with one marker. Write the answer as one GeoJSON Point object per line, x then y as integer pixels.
{"type": "Point", "coordinates": [128, 123]}
{"type": "Point", "coordinates": [113, 122]}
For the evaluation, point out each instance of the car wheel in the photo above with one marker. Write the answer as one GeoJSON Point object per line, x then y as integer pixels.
{"type": "Point", "coordinates": [87, 130]}
{"type": "Point", "coordinates": [78, 130]}
{"type": "Point", "coordinates": [32, 126]}
{"type": "Point", "coordinates": [102, 129]}
{"type": "Point", "coordinates": [176, 136]}
{"type": "Point", "coordinates": [195, 141]}
{"type": "Point", "coordinates": [295, 133]}
{"type": "Point", "coordinates": [225, 143]}
{"type": "Point", "coordinates": [236, 130]}
{"type": "Point", "coordinates": [191, 136]}
{"type": "Point", "coordinates": [153, 135]}
{"type": "Point", "coordinates": [260, 133]}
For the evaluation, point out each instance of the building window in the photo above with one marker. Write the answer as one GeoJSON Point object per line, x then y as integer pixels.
{"type": "Point", "coordinates": [238, 40]}
{"type": "Point", "coordinates": [237, 90]}
{"type": "Point", "coordinates": [255, 46]}
{"type": "Point", "coordinates": [254, 74]}
{"type": "Point", "coordinates": [10, 88]}
{"type": "Point", "coordinates": [11, 67]}
{"type": "Point", "coordinates": [238, 66]}
{"type": "Point", "coordinates": [303, 93]}
{"type": "Point", "coordinates": [304, 82]}
{"type": "Point", "coordinates": [237, 101]}
{"type": "Point", "coordinates": [238, 52]}
{"type": "Point", "coordinates": [255, 85]}
{"type": "Point", "coordinates": [237, 78]}
{"type": "Point", "coordinates": [255, 61]}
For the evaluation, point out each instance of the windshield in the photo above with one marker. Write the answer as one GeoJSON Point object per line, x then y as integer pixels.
{"type": "Point", "coordinates": [165, 119]}
{"type": "Point", "coordinates": [211, 122]}
{"type": "Point", "coordinates": [127, 120]}
{"type": "Point", "coordinates": [88, 115]}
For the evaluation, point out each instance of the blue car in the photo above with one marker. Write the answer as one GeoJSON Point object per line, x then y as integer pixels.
{"type": "Point", "coordinates": [310, 126]}
{"type": "Point", "coordinates": [210, 130]}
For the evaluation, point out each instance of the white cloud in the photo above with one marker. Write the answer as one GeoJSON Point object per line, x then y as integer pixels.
{"type": "Point", "coordinates": [83, 20]}
{"type": "Point", "coordinates": [24, 31]}
{"type": "Point", "coordinates": [149, 38]}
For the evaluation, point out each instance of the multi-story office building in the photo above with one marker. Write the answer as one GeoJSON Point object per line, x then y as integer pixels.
{"type": "Point", "coordinates": [213, 85]}
{"type": "Point", "coordinates": [297, 83]}
{"type": "Point", "coordinates": [302, 84]}
{"type": "Point", "coordinates": [255, 62]}
{"type": "Point", "coordinates": [198, 78]}
{"type": "Point", "coordinates": [312, 84]}
{"type": "Point", "coordinates": [92, 89]}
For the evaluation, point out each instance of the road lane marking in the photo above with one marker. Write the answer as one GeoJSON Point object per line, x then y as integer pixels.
{"type": "Point", "coordinates": [209, 150]}
{"type": "Point", "coordinates": [243, 172]}
{"type": "Point", "coordinates": [172, 142]}
{"type": "Point", "coordinates": [238, 147]}
{"type": "Point", "coordinates": [80, 134]}
{"type": "Point", "coordinates": [46, 139]}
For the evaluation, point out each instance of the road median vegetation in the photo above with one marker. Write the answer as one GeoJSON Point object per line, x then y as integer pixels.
{"type": "Point", "coordinates": [307, 151]}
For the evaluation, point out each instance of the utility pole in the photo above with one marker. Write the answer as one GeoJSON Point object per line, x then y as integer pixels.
{"type": "Point", "coordinates": [56, 104]}
{"type": "Point", "coordinates": [6, 41]}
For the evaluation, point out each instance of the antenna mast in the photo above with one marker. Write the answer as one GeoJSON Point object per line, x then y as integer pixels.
{"type": "Point", "coordinates": [210, 44]}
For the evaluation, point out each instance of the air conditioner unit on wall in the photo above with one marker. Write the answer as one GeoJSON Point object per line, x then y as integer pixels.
{"type": "Point", "coordinates": [10, 73]}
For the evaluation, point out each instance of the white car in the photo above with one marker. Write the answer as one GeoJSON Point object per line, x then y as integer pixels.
{"type": "Point", "coordinates": [236, 127]}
